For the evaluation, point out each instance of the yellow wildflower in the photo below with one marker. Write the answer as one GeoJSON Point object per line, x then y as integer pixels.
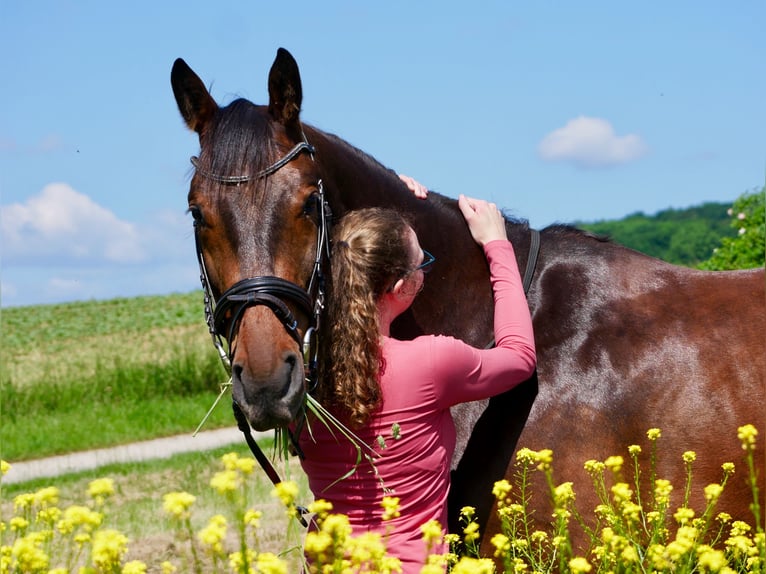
{"type": "Point", "coordinates": [746, 434]}
{"type": "Point", "coordinates": [49, 516]}
{"type": "Point", "coordinates": [18, 524]}
{"type": "Point", "coordinates": [213, 535]}
{"type": "Point", "coordinates": [662, 490]}
{"type": "Point", "coordinates": [653, 434]}
{"type": "Point", "coordinates": [689, 456]}
{"type": "Point", "coordinates": [237, 561]}
{"type": "Point", "coordinates": [501, 491]}
{"type": "Point", "coordinates": [168, 567]}
{"type": "Point", "coordinates": [709, 559]}
{"type": "Point", "coordinates": [366, 550]}
{"type": "Point", "coordinates": [614, 463]}
{"type": "Point", "coordinates": [594, 467]}
{"type": "Point", "coordinates": [316, 545]}
{"type": "Point", "coordinates": [467, 512]}
{"type": "Point", "coordinates": [338, 527]}
{"type": "Point", "coordinates": [564, 494]}
{"type": "Point", "coordinates": [226, 481]}
{"type": "Point", "coordinates": [28, 554]}
{"type": "Point", "coordinates": [321, 508]}
{"type": "Point", "coordinates": [4, 467]}
{"type": "Point", "coordinates": [432, 533]}
{"type": "Point", "coordinates": [579, 564]}
{"type": "Point", "coordinates": [713, 492]}
{"type": "Point", "coordinates": [252, 518]}
{"type": "Point", "coordinates": [526, 455]}
{"type": "Point", "coordinates": [545, 458]}
{"type": "Point", "coordinates": [622, 492]}
{"type": "Point", "coordinates": [287, 492]}
{"type": "Point", "coordinates": [684, 515]}
{"type": "Point", "coordinates": [467, 565]}
{"type": "Point", "coordinates": [109, 547]}
{"type": "Point", "coordinates": [48, 496]}
{"type": "Point", "coordinates": [502, 545]}
{"type": "Point", "coordinates": [390, 506]}
{"type": "Point", "coordinates": [634, 450]}
{"type": "Point", "coordinates": [177, 504]}
{"type": "Point", "coordinates": [134, 567]}
{"type": "Point", "coordinates": [23, 501]}
{"type": "Point", "coordinates": [471, 532]}
{"type": "Point", "coordinates": [268, 563]}
{"type": "Point", "coordinates": [101, 489]}
{"type": "Point", "coordinates": [728, 468]}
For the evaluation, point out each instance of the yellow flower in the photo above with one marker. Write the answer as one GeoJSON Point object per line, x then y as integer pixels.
{"type": "Point", "coordinates": [48, 496]}
{"type": "Point", "coordinates": [622, 492]}
{"type": "Point", "coordinates": [316, 544]}
{"type": "Point", "coordinates": [467, 512]}
{"type": "Point", "coordinates": [252, 518]}
{"type": "Point", "coordinates": [213, 535]}
{"type": "Point", "coordinates": [653, 434]}
{"type": "Point", "coordinates": [709, 559]}
{"type": "Point", "coordinates": [467, 565]}
{"type": "Point", "coordinates": [321, 508]}
{"type": "Point", "coordinates": [746, 434]}
{"type": "Point", "coordinates": [287, 492]}
{"type": "Point", "coordinates": [728, 468]}
{"type": "Point", "coordinates": [432, 533]}
{"type": "Point", "coordinates": [23, 501]}
{"type": "Point", "coordinates": [689, 456]}
{"type": "Point", "coordinates": [502, 544]}
{"type": "Point", "coordinates": [634, 450]}
{"type": "Point", "coordinates": [177, 504]}
{"type": "Point", "coordinates": [101, 489]}
{"type": "Point", "coordinates": [594, 467]}
{"type": "Point", "coordinates": [684, 515]}
{"type": "Point", "coordinates": [338, 527]}
{"type": "Point", "coordinates": [168, 567]}
{"type": "Point", "coordinates": [226, 481]}
{"type": "Point", "coordinates": [390, 506]}
{"type": "Point", "coordinates": [662, 490]}
{"type": "Point", "coordinates": [526, 455]}
{"type": "Point", "coordinates": [471, 532]}
{"type": "Point", "coordinates": [134, 567]}
{"type": "Point", "coordinates": [545, 458]}
{"type": "Point", "coordinates": [109, 547]}
{"type": "Point", "coordinates": [18, 524]}
{"type": "Point", "coordinates": [77, 516]}
{"type": "Point", "coordinates": [713, 492]}
{"type": "Point", "coordinates": [723, 517]}
{"type": "Point", "coordinates": [237, 561]}
{"type": "Point", "coordinates": [4, 467]}
{"type": "Point", "coordinates": [614, 463]}
{"type": "Point", "coordinates": [49, 516]}
{"type": "Point", "coordinates": [563, 494]}
{"type": "Point", "coordinates": [501, 489]}
{"type": "Point", "coordinates": [579, 564]}
{"type": "Point", "coordinates": [268, 563]}
{"type": "Point", "coordinates": [28, 554]}
{"type": "Point", "coordinates": [365, 550]}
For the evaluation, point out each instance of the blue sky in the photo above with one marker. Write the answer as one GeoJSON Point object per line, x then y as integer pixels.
{"type": "Point", "coordinates": [556, 111]}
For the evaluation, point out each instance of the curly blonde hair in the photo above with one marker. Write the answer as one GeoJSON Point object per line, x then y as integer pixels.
{"type": "Point", "coordinates": [370, 252]}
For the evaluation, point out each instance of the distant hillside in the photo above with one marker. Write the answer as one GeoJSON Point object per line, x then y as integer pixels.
{"type": "Point", "coordinates": [682, 236]}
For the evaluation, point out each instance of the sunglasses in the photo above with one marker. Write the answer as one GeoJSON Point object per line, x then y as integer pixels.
{"type": "Point", "coordinates": [428, 260]}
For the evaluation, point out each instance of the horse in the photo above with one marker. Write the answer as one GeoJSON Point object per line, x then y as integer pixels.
{"type": "Point", "coordinates": [625, 342]}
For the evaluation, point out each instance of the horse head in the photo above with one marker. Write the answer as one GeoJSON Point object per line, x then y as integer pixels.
{"type": "Point", "coordinates": [260, 227]}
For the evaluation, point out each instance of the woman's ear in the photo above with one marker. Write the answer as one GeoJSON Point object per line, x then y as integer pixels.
{"type": "Point", "coordinates": [398, 286]}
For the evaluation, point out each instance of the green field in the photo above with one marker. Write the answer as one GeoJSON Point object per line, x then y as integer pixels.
{"type": "Point", "coordinates": [94, 374]}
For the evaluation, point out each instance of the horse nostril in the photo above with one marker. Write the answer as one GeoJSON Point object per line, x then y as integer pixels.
{"type": "Point", "coordinates": [236, 372]}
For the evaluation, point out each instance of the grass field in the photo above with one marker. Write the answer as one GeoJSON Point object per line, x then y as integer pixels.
{"type": "Point", "coordinates": [94, 374]}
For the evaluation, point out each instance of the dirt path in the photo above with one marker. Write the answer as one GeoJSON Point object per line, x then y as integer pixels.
{"type": "Point", "coordinates": [134, 452]}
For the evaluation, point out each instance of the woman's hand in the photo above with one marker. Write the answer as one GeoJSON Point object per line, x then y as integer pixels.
{"type": "Point", "coordinates": [418, 189]}
{"type": "Point", "coordinates": [484, 219]}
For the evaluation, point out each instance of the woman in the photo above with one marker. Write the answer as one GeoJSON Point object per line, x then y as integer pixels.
{"type": "Point", "coordinates": [396, 395]}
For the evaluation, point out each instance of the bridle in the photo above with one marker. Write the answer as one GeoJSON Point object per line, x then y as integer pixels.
{"type": "Point", "coordinates": [271, 292]}
{"type": "Point", "coordinates": [266, 290]}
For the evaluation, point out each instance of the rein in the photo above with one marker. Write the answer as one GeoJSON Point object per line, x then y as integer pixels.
{"type": "Point", "coordinates": [271, 292]}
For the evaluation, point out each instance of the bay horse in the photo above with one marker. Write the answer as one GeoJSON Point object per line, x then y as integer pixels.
{"type": "Point", "coordinates": [625, 342]}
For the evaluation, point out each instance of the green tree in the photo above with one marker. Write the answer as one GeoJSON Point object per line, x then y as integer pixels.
{"type": "Point", "coordinates": [747, 249]}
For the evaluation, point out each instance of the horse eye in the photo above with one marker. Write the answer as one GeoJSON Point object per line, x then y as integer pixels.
{"type": "Point", "coordinates": [196, 214]}
{"type": "Point", "coordinates": [311, 207]}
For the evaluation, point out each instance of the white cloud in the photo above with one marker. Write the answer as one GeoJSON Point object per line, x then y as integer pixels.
{"type": "Point", "coordinates": [591, 142]}
{"type": "Point", "coordinates": [62, 225]}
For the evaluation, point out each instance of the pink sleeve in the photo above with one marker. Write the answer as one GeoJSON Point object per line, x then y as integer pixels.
{"type": "Point", "coordinates": [463, 373]}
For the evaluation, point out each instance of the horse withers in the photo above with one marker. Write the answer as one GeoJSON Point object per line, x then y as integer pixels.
{"type": "Point", "coordinates": [625, 342]}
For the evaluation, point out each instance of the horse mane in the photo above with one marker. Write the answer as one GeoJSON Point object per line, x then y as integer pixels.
{"type": "Point", "coordinates": [570, 231]}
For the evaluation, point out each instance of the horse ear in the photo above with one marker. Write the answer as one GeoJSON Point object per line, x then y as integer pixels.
{"type": "Point", "coordinates": [194, 101]}
{"type": "Point", "coordinates": [285, 92]}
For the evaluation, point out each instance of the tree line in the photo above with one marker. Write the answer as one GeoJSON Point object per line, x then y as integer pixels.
{"type": "Point", "coordinates": [714, 236]}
